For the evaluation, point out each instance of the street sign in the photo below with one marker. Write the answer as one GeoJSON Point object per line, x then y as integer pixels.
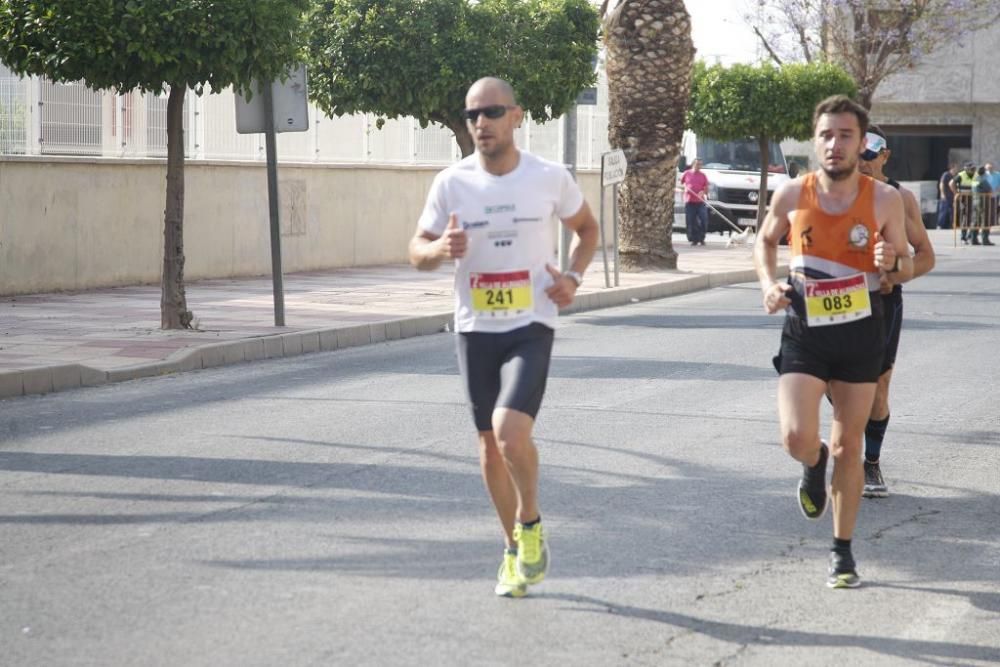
{"type": "Point", "coordinates": [587, 97]}
{"type": "Point", "coordinates": [291, 106]}
{"type": "Point", "coordinates": [613, 167]}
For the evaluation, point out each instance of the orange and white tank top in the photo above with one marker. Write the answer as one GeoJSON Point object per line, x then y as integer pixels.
{"type": "Point", "coordinates": [825, 245]}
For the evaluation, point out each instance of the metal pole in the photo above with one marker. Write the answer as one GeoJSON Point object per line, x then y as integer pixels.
{"type": "Point", "coordinates": [272, 200]}
{"type": "Point", "coordinates": [569, 159]}
{"type": "Point", "coordinates": [604, 245]}
{"type": "Point", "coordinates": [614, 219]}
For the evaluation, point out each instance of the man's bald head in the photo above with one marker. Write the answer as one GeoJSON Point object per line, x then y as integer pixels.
{"type": "Point", "coordinates": [492, 115]}
{"type": "Point", "coordinates": [492, 88]}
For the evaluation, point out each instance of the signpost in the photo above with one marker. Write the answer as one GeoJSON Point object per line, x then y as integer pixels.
{"type": "Point", "coordinates": [613, 168]}
{"type": "Point", "coordinates": [277, 107]}
{"type": "Point", "coordinates": [569, 159]}
{"type": "Point", "coordinates": [587, 97]}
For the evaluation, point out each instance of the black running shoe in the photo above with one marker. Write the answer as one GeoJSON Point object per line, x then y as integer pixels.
{"type": "Point", "coordinates": [842, 571]}
{"type": "Point", "coordinates": [874, 484]}
{"type": "Point", "coordinates": [812, 486]}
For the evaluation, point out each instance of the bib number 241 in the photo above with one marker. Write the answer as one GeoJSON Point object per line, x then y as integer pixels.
{"type": "Point", "coordinates": [501, 294]}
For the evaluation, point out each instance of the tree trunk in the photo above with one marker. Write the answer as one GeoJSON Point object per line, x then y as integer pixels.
{"type": "Point", "coordinates": [765, 162]}
{"type": "Point", "coordinates": [649, 58]}
{"type": "Point", "coordinates": [865, 94]}
{"type": "Point", "coordinates": [173, 302]}
{"type": "Point", "coordinates": [462, 136]}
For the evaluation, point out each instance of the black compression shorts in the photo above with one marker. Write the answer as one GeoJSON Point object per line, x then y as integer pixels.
{"type": "Point", "coordinates": [892, 307]}
{"type": "Point", "coordinates": [850, 352]}
{"type": "Point", "coordinates": [505, 370]}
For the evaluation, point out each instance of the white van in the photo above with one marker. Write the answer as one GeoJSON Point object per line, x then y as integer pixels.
{"type": "Point", "coordinates": [733, 170]}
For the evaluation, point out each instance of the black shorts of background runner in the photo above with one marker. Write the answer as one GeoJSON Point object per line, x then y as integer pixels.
{"type": "Point", "coordinates": [505, 370]}
{"type": "Point", "coordinates": [849, 352]}
{"type": "Point", "coordinates": [892, 308]}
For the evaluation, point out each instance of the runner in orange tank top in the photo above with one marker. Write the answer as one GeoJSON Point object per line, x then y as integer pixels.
{"type": "Point", "coordinates": [844, 230]}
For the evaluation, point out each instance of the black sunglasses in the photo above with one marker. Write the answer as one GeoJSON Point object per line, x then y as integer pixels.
{"type": "Point", "coordinates": [493, 111]}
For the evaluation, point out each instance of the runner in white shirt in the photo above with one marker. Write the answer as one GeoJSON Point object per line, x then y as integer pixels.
{"type": "Point", "coordinates": [494, 213]}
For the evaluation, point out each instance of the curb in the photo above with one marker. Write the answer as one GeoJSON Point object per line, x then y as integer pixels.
{"type": "Point", "coordinates": [50, 379]}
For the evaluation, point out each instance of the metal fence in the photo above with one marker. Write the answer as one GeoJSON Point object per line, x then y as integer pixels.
{"type": "Point", "coordinates": [38, 117]}
{"type": "Point", "coordinates": [973, 212]}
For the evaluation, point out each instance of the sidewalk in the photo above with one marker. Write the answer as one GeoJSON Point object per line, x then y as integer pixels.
{"type": "Point", "coordinates": [50, 342]}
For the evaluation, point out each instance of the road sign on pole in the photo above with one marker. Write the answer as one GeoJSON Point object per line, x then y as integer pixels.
{"type": "Point", "coordinates": [587, 97]}
{"type": "Point", "coordinates": [290, 102]}
{"type": "Point", "coordinates": [613, 167]}
{"type": "Point", "coordinates": [275, 107]}
{"type": "Point", "coordinates": [569, 159]}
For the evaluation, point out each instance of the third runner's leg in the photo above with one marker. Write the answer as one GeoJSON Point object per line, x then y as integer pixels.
{"type": "Point", "coordinates": [878, 421]}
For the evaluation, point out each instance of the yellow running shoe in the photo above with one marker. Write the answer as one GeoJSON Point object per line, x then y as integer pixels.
{"type": "Point", "coordinates": [509, 585]}
{"type": "Point", "coordinates": [532, 553]}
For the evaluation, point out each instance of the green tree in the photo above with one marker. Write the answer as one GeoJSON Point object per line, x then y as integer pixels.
{"type": "Point", "coordinates": [761, 101]}
{"type": "Point", "coordinates": [152, 46]}
{"type": "Point", "coordinates": [418, 57]}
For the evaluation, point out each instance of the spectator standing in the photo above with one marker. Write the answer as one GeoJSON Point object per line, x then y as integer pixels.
{"type": "Point", "coordinates": [946, 197]}
{"type": "Point", "coordinates": [695, 184]}
{"type": "Point", "coordinates": [962, 187]}
{"type": "Point", "coordinates": [985, 209]}
{"type": "Point", "coordinates": [994, 180]}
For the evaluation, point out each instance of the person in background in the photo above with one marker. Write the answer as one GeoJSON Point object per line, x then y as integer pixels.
{"type": "Point", "coordinates": [961, 187]}
{"type": "Point", "coordinates": [872, 164]}
{"type": "Point", "coordinates": [946, 197]}
{"type": "Point", "coordinates": [994, 180]}
{"type": "Point", "coordinates": [695, 184]}
{"type": "Point", "coordinates": [985, 211]}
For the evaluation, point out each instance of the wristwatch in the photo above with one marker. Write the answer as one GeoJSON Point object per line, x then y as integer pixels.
{"type": "Point", "coordinates": [895, 266]}
{"type": "Point", "coordinates": [575, 276]}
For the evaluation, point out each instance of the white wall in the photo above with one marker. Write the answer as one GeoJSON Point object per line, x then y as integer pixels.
{"type": "Point", "coordinates": [80, 223]}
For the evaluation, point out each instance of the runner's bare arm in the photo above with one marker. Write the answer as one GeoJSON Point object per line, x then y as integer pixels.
{"type": "Point", "coordinates": [427, 250]}
{"type": "Point", "coordinates": [582, 222]}
{"type": "Point", "coordinates": [765, 251]}
{"type": "Point", "coordinates": [892, 229]}
{"type": "Point", "coordinates": [916, 236]}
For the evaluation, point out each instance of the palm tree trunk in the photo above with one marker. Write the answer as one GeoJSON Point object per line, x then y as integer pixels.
{"type": "Point", "coordinates": [649, 59]}
{"type": "Point", "coordinates": [173, 302]}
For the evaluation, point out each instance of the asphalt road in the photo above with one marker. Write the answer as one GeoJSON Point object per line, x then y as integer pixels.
{"type": "Point", "coordinates": [328, 510]}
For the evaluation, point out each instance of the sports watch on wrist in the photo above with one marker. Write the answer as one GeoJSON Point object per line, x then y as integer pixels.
{"type": "Point", "coordinates": [575, 276]}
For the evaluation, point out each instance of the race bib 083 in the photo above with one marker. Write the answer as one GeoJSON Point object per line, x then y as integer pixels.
{"type": "Point", "coordinates": [837, 300]}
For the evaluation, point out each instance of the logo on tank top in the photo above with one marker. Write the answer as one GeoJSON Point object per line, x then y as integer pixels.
{"type": "Point", "coordinates": [859, 235]}
{"type": "Point", "coordinates": [806, 236]}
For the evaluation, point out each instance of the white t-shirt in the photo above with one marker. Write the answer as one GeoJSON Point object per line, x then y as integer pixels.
{"type": "Point", "coordinates": [500, 283]}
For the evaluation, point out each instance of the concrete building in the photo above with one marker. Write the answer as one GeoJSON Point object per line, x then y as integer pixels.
{"type": "Point", "coordinates": [945, 110]}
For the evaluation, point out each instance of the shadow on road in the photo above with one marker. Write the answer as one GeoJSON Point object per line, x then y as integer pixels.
{"type": "Point", "coordinates": [766, 636]}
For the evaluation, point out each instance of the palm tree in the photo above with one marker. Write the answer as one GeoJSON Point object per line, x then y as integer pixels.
{"type": "Point", "coordinates": [649, 60]}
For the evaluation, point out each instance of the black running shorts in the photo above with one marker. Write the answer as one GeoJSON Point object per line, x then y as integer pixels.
{"type": "Point", "coordinates": [505, 370]}
{"type": "Point", "coordinates": [892, 307]}
{"type": "Point", "coordinates": [850, 352]}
